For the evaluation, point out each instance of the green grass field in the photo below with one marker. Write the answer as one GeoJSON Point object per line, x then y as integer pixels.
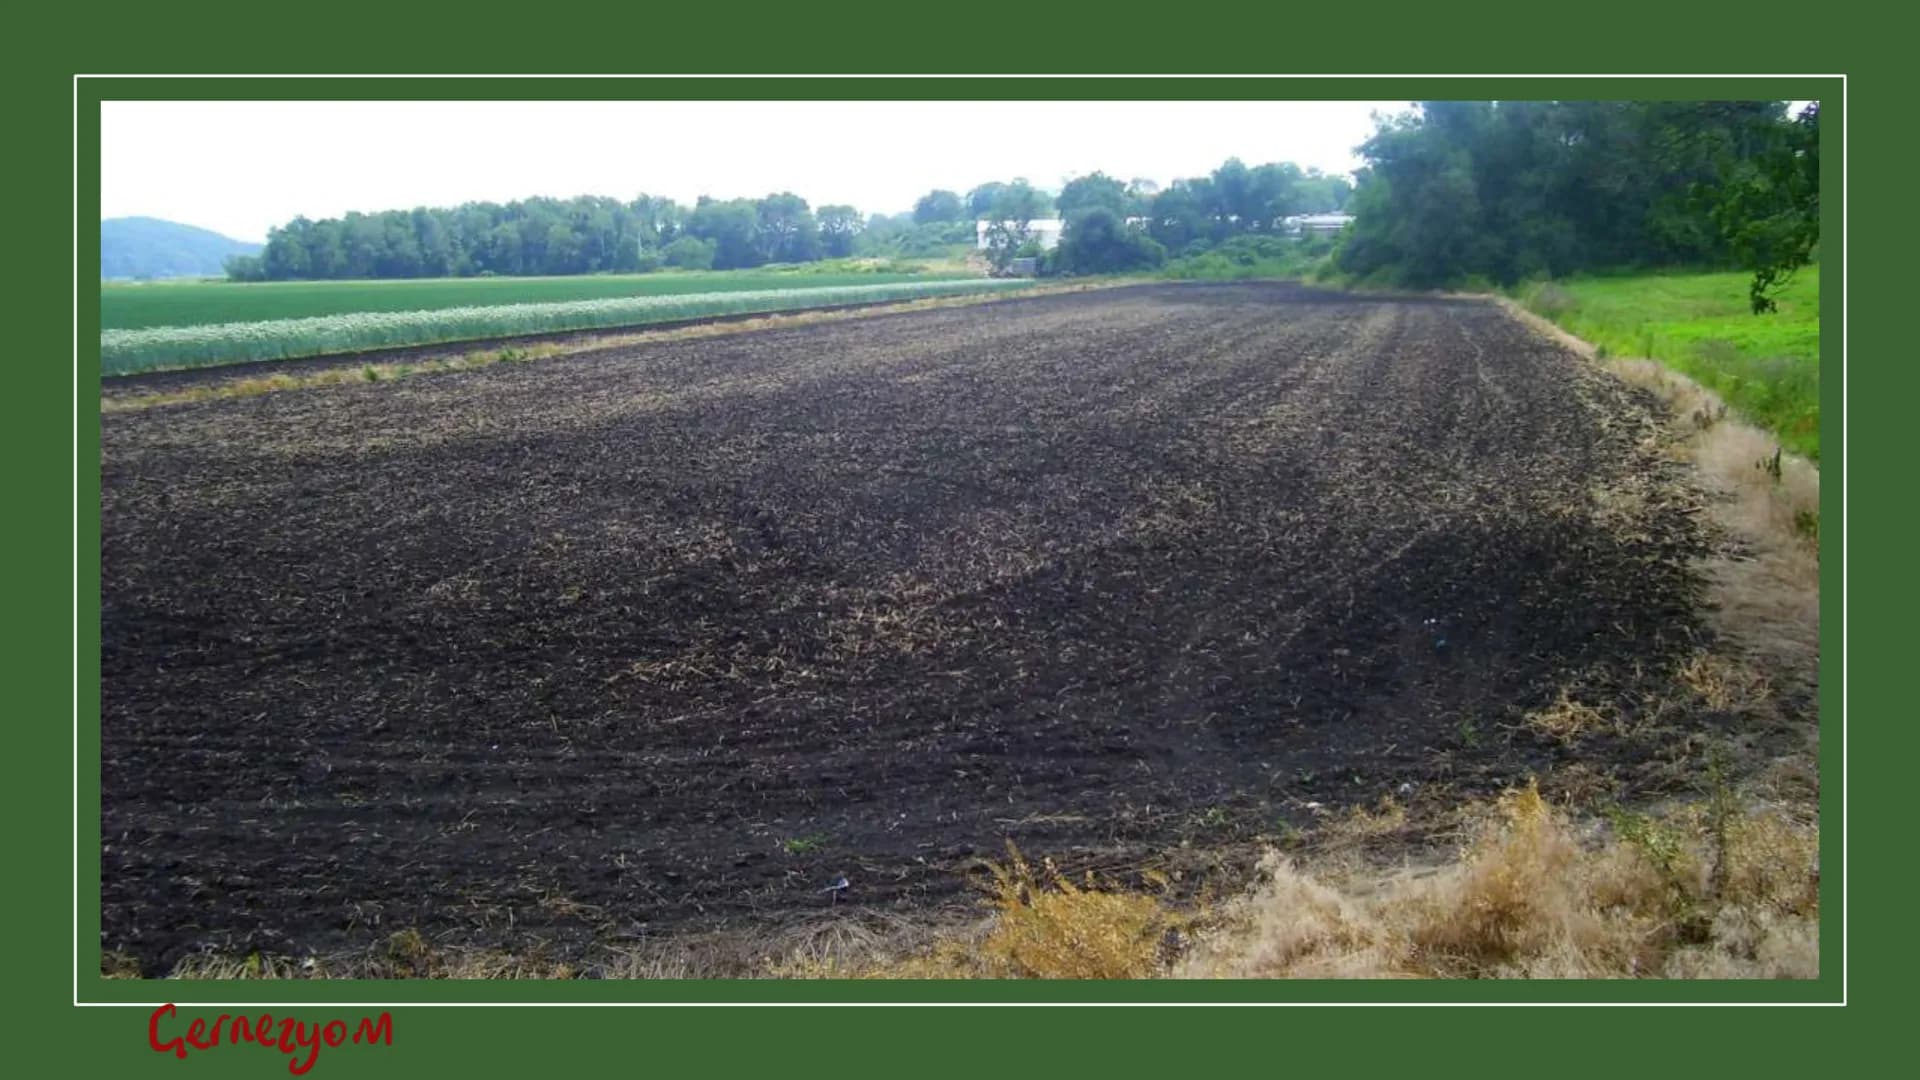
{"type": "Point", "coordinates": [127, 306]}
{"type": "Point", "coordinates": [1765, 366]}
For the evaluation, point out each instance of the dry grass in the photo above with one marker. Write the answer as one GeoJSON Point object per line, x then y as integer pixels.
{"type": "Point", "coordinates": [1044, 926]}
{"type": "Point", "coordinates": [118, 965]}
{"type": "Point", "coordinates": [1723, 685]}
{"type": "Point", "coordinates": [1744, 885]}
{"type": "Point", "coordinates": [1764, 583]}
{"type": "Point", "coordinates": [404, 955]}
{"type": "Point", "coordinates": [1340, 838]}
{"type": "Point", "coordinates": [1701, 892]}
{"type": "Point", "coordinates": [863, 942]}
{"type": "Point", "coordinates": [1531, 899]}
{"type": "Point", "coordinates": [335, 376]}
{"type": "Point", "coordinates": [1768, 491]}
{"type": "Point", "coordinates": [1568, 719]}
{"type": "Point", "coordinates": [1047, 927]}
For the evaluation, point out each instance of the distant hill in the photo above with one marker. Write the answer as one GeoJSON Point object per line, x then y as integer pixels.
{"type": "Point", "coordinates": [143, 247]}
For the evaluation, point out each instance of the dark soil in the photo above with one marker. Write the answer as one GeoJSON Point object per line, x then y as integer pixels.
{"type": "Point", "coordinates": [598, 648]}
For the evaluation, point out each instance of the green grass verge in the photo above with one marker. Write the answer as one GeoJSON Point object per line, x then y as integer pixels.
{"type": "Point", "coordinates": [130, 306]}
{"type": "Point", "coordinates": [1765, 366]}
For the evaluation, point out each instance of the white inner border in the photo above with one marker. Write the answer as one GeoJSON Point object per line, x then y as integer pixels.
{"type": "Point", "coordinates": [937, 1004]}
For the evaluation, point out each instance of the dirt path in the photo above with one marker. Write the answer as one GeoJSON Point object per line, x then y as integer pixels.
{"type": "Point", "coordinates": [590, 649]}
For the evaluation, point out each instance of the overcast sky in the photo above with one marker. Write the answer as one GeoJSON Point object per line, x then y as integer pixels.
{"type": "Point", "coordinates": [240, 168]}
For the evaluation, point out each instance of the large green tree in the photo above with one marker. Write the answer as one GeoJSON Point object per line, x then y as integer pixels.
{"type": "Point", "coordinates": [732, 226]}
{"type": "Point", "coordinates": [1183, 215]}
{"type": "Point", "coordinates": [688, 252]}
{"type": "Point", "coordinates": [840, 228]}
{"type": "Point", "coordinates": [1015, 207]}
{"type": "Point", "coordinates": [1094, 189]}
{"type": "Point", "coordinates": [657, 220]}
{"type": "Point", "coordinates": [980, 200]}
{"type": "Point", "coordinates": [1319, 193]}
{"type": "Point", "coordinates": [1510, 190]}
{"type": "Point", "coordinates": [937, 206]}
{"type": "Point", "coordinates": [1098, 240]}
{"type": "Point", "coordinates": [787, 231]}
{"type": "Point", "coordinates": [1768, 208]}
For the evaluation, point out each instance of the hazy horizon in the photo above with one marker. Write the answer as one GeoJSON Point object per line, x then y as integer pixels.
{"type": "Point", "coordinates": [241, 168]}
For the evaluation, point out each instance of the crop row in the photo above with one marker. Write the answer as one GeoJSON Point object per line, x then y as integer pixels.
{"type": "Point", "coordinates": [127, 351]}
{"type": "Point", "coordinates": [195, 303]}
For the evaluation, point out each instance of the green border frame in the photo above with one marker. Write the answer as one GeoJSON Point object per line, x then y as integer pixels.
{"type": "Point", "coordinates": [93, 989]}
{"type": "Point", "coordinates": [41, 631]}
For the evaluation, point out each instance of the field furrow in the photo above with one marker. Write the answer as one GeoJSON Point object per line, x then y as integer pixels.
{"type": "Point", "coordinates": [680, 632]}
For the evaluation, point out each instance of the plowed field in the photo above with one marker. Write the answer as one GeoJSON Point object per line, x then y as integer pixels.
{"type": "Point", "coordinates": [608, 646]}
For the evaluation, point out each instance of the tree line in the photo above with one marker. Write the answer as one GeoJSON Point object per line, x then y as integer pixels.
{"type": "Point", "coordinates": [596, 234]}
{"type": "Point", "coordinates": [1511, 190]}
{"type": "Point", "coordinates": [1110, 225]}
{"type": "Point", "coordinates": [1501, 191]}
{"type": "Point", "coordinates": [585, 235]}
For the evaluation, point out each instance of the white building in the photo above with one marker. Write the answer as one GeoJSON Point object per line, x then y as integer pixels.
{"type": "Point", "coordinates": [1316, 224]}
{"type": "Point", "coordinates": [1045, 232]}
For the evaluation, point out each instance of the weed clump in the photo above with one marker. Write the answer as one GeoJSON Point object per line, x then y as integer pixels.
{"type": "Point", "coordinates": [1567, 719]}
{"type": "Point", "coordinates": [1047, 927]}
{"type": "Point", "coordinates": [1711, 889]}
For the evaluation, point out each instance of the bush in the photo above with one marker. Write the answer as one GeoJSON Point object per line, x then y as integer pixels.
{"type": "Point", "coordinates": [1097, 241]}
{"type": "Point", "coordinates": [690, 253]}
{"type": "Point", "coordinates": [1246, 257]}
{"type": "Point", "coordinates": [935, 239]}
{"type": "Point", "coordinates": [245, 268]}
{"type": "Point", "coordinates": [1316, 245]}
{"type": "Point", "coordinates": [1253, 250]}
{"type": "Point", "coordinates": [1050, 928]}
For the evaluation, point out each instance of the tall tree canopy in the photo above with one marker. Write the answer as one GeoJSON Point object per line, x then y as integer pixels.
{"type": "Point", "coordinates": [938, 206]}
{"type": "Point", "coordinates": [1769, 206]}
{"type": "Point", "coordinates": [840, 226]}
{"type": "Point", "coordinates": [1515, 189]}
{"type": "Point", "coordinates": [1099, 241]}
{"type": "Point", "coordinates": [1095, 189]}
{"type": "Point", "coordinates": [980, 200]}
{"type": "Point", "coordinates": [787, 229]}
{"type": "Point", "coordinates": [732, 226]}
